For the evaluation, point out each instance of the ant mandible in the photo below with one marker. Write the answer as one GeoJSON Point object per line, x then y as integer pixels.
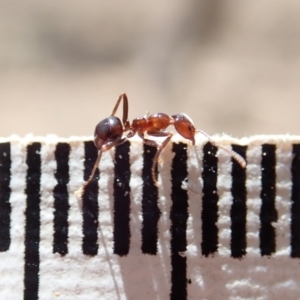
{"type": "Point", "coordinates": [110, 133]}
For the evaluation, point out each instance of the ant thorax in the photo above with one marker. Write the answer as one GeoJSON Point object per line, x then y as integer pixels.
{"type": "Point", "coordinates": [158, 122]}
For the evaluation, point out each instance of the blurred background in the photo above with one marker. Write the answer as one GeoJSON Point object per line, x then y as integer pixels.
{"type": "Point", "coordinates": [232, 66]}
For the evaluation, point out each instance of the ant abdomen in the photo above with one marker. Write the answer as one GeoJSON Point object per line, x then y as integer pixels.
{"type": "Point", "coordinates": [109, 129]}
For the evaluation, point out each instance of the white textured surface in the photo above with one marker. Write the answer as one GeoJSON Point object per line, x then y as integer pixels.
{"type": "Point", "coordinates": [11, 262]}
{"type": "Point", "coordinates": [140, 276]}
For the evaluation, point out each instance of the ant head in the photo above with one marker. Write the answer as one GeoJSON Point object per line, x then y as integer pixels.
{"type": "Point", "coordinates": [184, 126]}
{"type": "Point", "coordinates": [108, 130]}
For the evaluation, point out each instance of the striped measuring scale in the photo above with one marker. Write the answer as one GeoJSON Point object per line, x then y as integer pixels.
{"type": "Point", "coordinates": [210, 230]}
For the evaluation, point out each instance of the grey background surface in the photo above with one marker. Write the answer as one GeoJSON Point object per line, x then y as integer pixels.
{"type": "Point", "coordinates": [232, 66]}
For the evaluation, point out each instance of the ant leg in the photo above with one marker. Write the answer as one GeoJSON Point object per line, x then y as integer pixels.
{"type": "Point", "coordinates": [159, 149]}
{"type": "Point", "coordinates": [131, 134]}
{"type": "Point", "coordinates": [96, 164]}
{"type": "Point", "coordinates": [157, 146]}
{"type": "Point", "coordinates": [126, 123]}
{"type": "Point", "coordinates": [147, 141]}
{"type": "Point", "coordinates": [125, 105]}
{"type": "Point", "coordinates": [240, 160]}
{"type": "Point", "coordinates": [103, 148]}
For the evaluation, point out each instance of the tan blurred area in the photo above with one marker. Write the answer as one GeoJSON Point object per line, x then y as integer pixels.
{"type": "Point", "coordinates": [232, 66]}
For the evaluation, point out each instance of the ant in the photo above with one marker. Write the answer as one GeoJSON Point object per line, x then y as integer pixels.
{"type": "Point", "coordinates": [110, 133]}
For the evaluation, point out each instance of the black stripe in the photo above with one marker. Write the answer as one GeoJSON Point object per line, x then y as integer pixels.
{"type": "Point", "coordinates": [61, 199]}
{"type": "Point", "coordinates": [5, 207]}
{"type": "Point", "coordinates": [90, 202]}
{"type": "Point", "coordinates": [122, 200]}
{"type": "Point", "coordinates": [239, 208]}
{"type": "Point", "coordinates": [295, 209]}
{"type": "Point", "coordinates": [179, 216]}
{"type": "Point", "coordinates": [268, 213]}
{"type": "Point", "coordinates": [150, 210]}
{"type": "Point", "coordinates": [32, 226]}
{"type": "Point", "coordinates": [210, 200]}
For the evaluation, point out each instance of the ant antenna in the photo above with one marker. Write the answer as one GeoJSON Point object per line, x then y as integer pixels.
{"type": "Point", "coordinates": [239, 159]}
{"type": "Point", "coordinates": [186, 186]}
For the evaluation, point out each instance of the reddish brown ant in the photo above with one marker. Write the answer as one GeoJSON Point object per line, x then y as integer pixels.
{"type": "Point", "coordinates": [110, 133]}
